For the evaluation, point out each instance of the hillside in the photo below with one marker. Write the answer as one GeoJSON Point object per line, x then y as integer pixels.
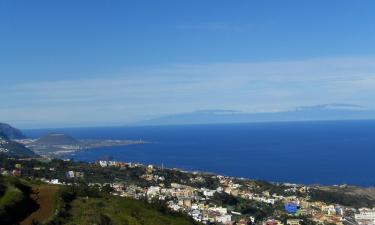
{"type": "Point", "coordinates": [118, 210]}
{"type": "Point", "coordinates": [22, 202]}
{"type": "Point", "coordinates": [15, 200]}
{"type": "Point", "coordinates": [57, 139]}
{"type": "Point", "coordinates": [14, 149]}
{"type": "Point", "coordinates": [46, 197]}
{"type": "Point", "coordinates": [11, 132]}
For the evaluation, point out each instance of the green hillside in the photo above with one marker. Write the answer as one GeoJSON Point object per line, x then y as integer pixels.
{"type": "Point", "coordinates": [29, 202]}
{"type": "Point", "coordinates": [89, 205]}
{"type": "Point", "coordinates": [11, 132]}
{"type": "Point", "coordinates": [15, 200]}
{"type": "Point", "coordinates": [14, 149]}
{"type": "Point", "coordinates": [117, 210]}
{"type": "Point", "coordinates": [57, 139]}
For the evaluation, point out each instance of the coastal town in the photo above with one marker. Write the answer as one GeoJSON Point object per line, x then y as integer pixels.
{"type": "Point", "coordinates": [207, 198]}
{"type": "Point", "coordinates": [59, 144]}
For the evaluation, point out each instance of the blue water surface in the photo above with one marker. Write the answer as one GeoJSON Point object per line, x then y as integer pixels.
{"type": "Point", "coordinates": [333, 152]}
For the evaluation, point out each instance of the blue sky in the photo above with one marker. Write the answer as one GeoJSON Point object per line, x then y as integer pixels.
{"type": "Point", "coordinates": [87, 63]}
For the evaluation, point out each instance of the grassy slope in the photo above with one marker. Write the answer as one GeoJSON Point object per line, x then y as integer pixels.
{"type": "Point", "coordinates": [21, 204]}
{"type": "Point", "coordinates": [45, 196]}
{"type": "Point", "coordinates": [11, 196]}
{"type": "Point", "coordinates": [117, 210]}
{"type": "Point", "coordinates": [15, 200]}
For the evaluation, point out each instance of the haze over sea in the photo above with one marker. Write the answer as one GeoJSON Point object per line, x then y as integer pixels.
{"type": "Point", "coordinates": [329, 152]}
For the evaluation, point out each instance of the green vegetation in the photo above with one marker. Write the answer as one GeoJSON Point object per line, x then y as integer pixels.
{"type": "Point", "coordinates": [80, 204]}
{"type": "Point", "coordinates": [95, 174]}
{"type": "Point", "coordinates": [15, 201]}
{"type": "Point", "coordinates": [342, 197]}
{"type": "Point", "coordinates": [45, 196]}
{"type": "Point", "coordinates": [77, 204]}
{"type": "Point", "coordinates": [246, 207]}
{"type": "Point", "coordinates": [117, 210]}
{"type": "Point", "coordinates": [13, 148]}
{"type": "Point", "coordinates": [57, 139]}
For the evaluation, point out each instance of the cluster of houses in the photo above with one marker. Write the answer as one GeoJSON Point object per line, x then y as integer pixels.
{"type": "Point", "coordinates": [2, 143]}
{"type": "Point", "coordinates": [109, 163]}
{"type": "Point", "coordinates": [365, 216]}
{"type": "Point", "coordinates": [74, 174]}
{"type": "Point", "coordinates": [17, 171]}
{"type": "Point", "coordinates": [198, 202]}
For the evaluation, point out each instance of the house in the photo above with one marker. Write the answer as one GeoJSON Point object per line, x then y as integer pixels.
{"type": "Point", "coordinates": [220, 210]}
{"type": "Point", "coordinates": [243, 222]}
{"type": "Point", "coordinates": [4, 172]}
{"type": "Point", "coordinates": [79, 174]}
{"type": "Point", "coordinates": [16, 173]}
{"type": "Point", "coordinates": [293, 222]}
{"type": "Point", "coordinates": [207, 192]}
{"type": "Point", "coordinates": [54, 181]}
{"type": "Point", "coordinates": [365, 216]}
{"type": "Point", "coordinates": [103, 163]}
{"type": "Point", "coordinates": [184, 202]}
{"type": "Point", "coordinates": [225, 219]}
{"type": "Point", "coordinates": [273, 222]}
{"type": "Point", "coordinates": [18, 166]}
{"type": "Point", "coordinates": [70, 174]}
{"type": "Point", "coordinates": [153, 191]}
{"type": "Point", "coordinates": [111, 163]}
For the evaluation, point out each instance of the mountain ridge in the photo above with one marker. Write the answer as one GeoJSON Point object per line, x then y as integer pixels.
{"type": "Point", "coordinates": [11, 132]}
{"type": "Point", "coordinates": [57, 139]}
{"type": "Point", "coordinates": [13, 149]}
{"type": "Point", "coordinates": [337, 111]}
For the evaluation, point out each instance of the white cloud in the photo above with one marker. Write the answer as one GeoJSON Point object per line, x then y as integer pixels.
{"type": "Point", "coordinates": [138, 95]}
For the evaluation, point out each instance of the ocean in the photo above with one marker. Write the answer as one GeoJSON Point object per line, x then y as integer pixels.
{"type": "Point", "coordinates": [329, 152]}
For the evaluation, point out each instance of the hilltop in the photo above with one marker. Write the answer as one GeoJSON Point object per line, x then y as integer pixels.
{"type": "Point", "coordinates": [57, 139]}
{"type": "Point", "coordinates": [14, 149]}
{"type": "Point", "coordinates": [11, 132]}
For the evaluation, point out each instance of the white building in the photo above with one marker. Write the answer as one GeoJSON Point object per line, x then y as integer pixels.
{"type": "Point", "coordinates": [153, 191]}
{"type": "Point", "coordinates": [365, 216]}
{"type": "Point", "coordinates": [224, 218]}
{"type": "Point", "coordinates": [103, 163]}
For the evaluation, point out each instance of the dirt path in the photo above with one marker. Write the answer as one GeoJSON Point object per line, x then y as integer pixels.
{"type": "Point", "coordinates": [45, 196]}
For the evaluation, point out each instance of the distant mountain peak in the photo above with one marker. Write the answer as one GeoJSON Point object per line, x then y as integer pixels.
{"type": "Point", "coordinates": [336, 111]}
{"type": "Point", "coordinates": [57, 139]}
{"type": "Point", "coordinates": [334, 106]}
{"type": "Point", "coordinates": [216, 111]}
{"type": "Point", "coordinates": [14, 149]}
{"type": "Point", "coordinates": [11, 132]}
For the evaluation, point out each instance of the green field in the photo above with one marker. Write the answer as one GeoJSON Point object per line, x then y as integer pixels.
{"type": "Point", "coordinates": [117, 210]}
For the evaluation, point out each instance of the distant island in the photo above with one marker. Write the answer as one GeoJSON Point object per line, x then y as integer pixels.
{"type": "Point", "coordinates": [305, 113]}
